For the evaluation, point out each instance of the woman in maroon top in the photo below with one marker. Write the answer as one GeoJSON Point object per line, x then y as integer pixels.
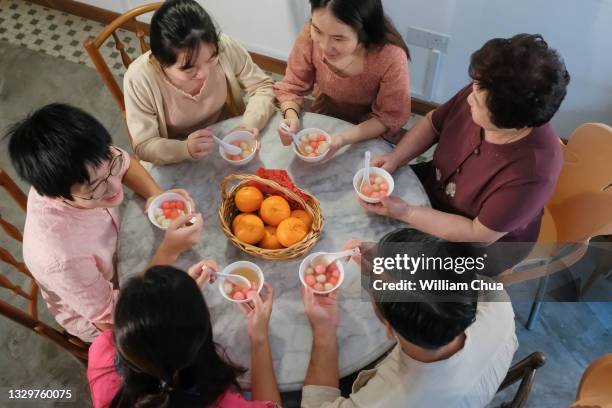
{"type": "Point", "coordinates": [354, 63]}
{"type": "Point", "coordinates": [498, 159]}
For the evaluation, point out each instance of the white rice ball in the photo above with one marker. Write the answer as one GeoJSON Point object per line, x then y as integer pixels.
{"type": "Point", "coordinates": [321, 278]}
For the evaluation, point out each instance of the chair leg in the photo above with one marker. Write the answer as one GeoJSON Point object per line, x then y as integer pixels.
{"type": "Point", "coordinates": [537, 302]}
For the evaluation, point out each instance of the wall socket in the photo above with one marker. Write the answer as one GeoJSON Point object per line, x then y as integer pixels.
{"type": "Point", "coordinates": [427, 39]}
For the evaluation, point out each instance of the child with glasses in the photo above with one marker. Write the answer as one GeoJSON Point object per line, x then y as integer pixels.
{"type": "Point", "coordinates": [72, 222]}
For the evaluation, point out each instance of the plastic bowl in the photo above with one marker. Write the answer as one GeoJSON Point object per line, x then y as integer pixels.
{"type": "Point", "coordinates": [239, 135]}
{"type": "Point", "coordinates": [240, 264]}
{"type": "Point", "coordinates": [306, 132]}
{"type": "Point", "coordinates": [157, 202]}
{"type": "Point", "coordinates": [374, 171]}
{"type": "Point", "coordinates": [306, 263]}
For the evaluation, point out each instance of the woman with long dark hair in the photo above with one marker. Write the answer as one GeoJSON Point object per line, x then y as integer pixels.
{"type": "Point", "coordinates": [192, 78]}
{"type": "Point", "coordinates": [353, 61]}
{"type": "Point", "coordinates": [162, 353]}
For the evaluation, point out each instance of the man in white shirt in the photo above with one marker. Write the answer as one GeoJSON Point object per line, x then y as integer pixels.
{"type": "Point", "coordinates": [448, 354]}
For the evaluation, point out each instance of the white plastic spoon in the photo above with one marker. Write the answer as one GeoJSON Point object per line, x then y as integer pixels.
{"type": "Point", "coordinates": [241, 279]}
{"type": "Point", "coordinates": [231, 149]}
{"type": "Point", "coordinates": [327, 259]}
{"type": "Point", "coordinates": [296, 140]}
{"type": "Point", "coordinates": [366, 171]}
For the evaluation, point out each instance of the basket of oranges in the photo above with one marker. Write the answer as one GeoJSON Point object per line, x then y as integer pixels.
{"type": "Point", "coordinates": [268, 219]}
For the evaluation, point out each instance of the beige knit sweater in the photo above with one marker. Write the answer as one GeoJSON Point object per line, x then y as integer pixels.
{"type": "Point", "coordinates": [145, 110]}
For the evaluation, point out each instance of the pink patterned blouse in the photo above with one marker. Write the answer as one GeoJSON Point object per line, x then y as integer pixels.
{"type": "Point", "coordinates": [381, 91]}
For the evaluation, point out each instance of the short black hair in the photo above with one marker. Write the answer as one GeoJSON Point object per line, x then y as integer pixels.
{"type": "Point", "coordinates": [51, 148]}
{"type": "Point", "coordinates": [526, 80]}
{"type": "Point", "coordinates": [425, 320]}
{"type": "Point", "coordinates": [181, 25]}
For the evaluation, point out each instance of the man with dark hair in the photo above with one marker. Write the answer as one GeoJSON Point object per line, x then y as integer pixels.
{"type": "Point", "coordinates": [72, 221]}
{"type": "Point", "coordinates": [451, 353]}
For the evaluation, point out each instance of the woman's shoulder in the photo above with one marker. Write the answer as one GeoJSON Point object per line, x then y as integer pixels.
{"type": "Point", "coordinates": [387, 58]}
{"type": "Point", "coordinates": [140, 71]}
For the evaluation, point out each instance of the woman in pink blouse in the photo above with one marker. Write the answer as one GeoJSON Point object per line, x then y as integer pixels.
{"type": "Point", "coordinates": [162, 352]}
{"type": "Point", "coordinates": [354, 63]}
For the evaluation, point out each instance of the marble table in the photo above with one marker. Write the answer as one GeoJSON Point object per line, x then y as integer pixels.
{"type": "Point", "coordinates": [361, 336]}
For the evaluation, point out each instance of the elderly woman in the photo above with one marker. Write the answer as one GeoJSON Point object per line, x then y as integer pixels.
{"type": "Point", "coordinates": [498, 159]}
{"type": "Point", "coordinates": [191, 79]}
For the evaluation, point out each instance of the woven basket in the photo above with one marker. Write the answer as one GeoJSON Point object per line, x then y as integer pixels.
{"type": "Point", "coordinates": [228, 210]}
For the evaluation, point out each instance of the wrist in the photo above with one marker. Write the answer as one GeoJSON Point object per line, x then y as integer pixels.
{"type": "Point", "coordinates": [324, 334]}
{"type": "Point", "coordinates": [407, 214]}
{"type": "Point", "coordinates": [290, 113]}
{"type": "Point", "coordinates": [259, 339]}
{"type": "Point", "coordinates": [166, 254]}
{"type": "Point", "coordinates": [189, 149]}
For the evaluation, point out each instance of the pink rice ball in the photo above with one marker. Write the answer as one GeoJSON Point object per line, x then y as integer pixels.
{"type": "Point", "coordinates": [310, 280]}
{"type": "Point", "coordinates": [239, 296]}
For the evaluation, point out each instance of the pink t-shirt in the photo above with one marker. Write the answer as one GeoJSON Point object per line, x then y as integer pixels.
{"type": "Point", "coordinates": [381, 91]}
{"type": "Point", "coordinates": [71, 254]}
{"type": "Point", "coordinates": [104, 382]}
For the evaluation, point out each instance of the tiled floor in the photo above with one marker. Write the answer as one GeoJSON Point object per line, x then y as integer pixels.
{"type": "Point", "coordinates": [571, 334]}
{"type": "Point", "coordinates": [59, 34]}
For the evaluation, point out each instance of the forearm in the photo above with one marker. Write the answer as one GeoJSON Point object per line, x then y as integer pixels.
{"type": "Point", "coordinates": [323, 368]}
{"type": "Point", "coordinates": [263, 378]}
{"type": "Point", "coordinates": [163, 256]}
{"type": "Point", "coordinates": [369, 129]}
{"type": "Point", "coordinates": [450, 227]}
{"type": "Point", "coordinates": [140, 181]}
{"type": "Point", "coordinates": [415, 142]}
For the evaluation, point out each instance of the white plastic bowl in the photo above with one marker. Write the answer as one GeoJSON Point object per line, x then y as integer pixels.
{"type": "Point", "coordinates": [308, 131]}
{"type": "Point", "coordinates": [306, 263]}
{"type": "Point", "coordinates": [236, 265]}
{"type": "Point", "coordinates": [157, 202]}
{"type": "Point", "coordinates": [241, 135]}
{"type": "Point", "coordinates": [374, 171]}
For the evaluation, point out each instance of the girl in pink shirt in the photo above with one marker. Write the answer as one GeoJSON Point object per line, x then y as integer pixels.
{"type": "Point", "coordinates": [162, 352]}
{"type": "Point", "coordinates": [72, 221]}
{"type": "Point", "coordinates": [354, 63]}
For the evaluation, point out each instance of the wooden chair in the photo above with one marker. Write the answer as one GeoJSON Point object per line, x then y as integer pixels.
{"type": "Point", "coordinates": [92, 45]}
{"type": "Point", "coordinates": [595, 389]}
{"type": "Point", "coordinates": [580, 208]}
{"type": "Point", "coordinates": [523, 371]}
{"type": "Point", "coordinates": [29, 319]}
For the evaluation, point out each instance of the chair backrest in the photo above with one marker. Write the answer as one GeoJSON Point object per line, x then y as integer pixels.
{"type": "Point", "coordinates": [92, 45]}
{"type": "Point", "coordinates": [29, 319]}
{"type": "Point", "coordinates": [595, 387]}
{"type": "Point", "coordinates": [581, 205]}
{"type": "Point", "coordinates": [523, 371]}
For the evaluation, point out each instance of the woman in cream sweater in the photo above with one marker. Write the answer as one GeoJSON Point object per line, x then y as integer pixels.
{"type": "Point", "coordinates": [191, 79]}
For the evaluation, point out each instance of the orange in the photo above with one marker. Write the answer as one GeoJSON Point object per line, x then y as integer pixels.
{"type": "Point", "coordinates": [269, 240]}
{"type": "Point", "coordinates": [237, 220]}
{"type": "Point", "coordinates": [302, 215]}
{"type": "Point", "coordinates": [250, 229]}
{"type": "Point", "coordinates": [248, 199]}
{"type": "Point", "coordinates": [274, 209]}
{"type": "Point", "coordinates": [291, 231]}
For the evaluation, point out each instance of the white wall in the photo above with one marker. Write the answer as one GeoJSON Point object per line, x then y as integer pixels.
{"type": "Point", "coordinates": [581, 30]}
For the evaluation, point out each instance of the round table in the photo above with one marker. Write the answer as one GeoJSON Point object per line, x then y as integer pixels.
{"type": "Point", "coordinates": [361, 337]}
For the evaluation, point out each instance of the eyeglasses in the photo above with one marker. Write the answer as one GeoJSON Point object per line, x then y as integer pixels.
{"type": "Point", "coordinates": [101, 187]}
